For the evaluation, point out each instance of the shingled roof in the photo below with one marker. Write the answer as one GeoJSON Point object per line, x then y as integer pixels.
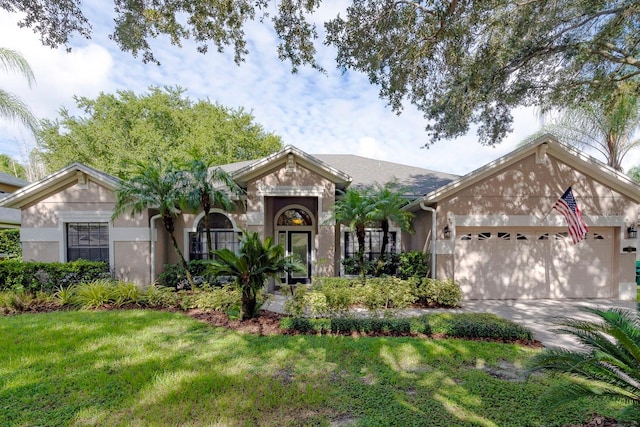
{"type": "Point", "coordinates": [366, 172]}
{"type": "Point", "coordinates": [5, 178]}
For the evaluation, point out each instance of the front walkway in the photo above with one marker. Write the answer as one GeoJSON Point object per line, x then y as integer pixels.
{"type": "Point", "coordinates": [537, 315]}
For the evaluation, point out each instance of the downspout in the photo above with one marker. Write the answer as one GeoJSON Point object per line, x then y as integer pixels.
{"type": "Point", "coordinates": [152, 239]}
{"type": "Point", "coordinates": [433, 237]}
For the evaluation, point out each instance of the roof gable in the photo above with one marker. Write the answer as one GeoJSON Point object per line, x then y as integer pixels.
{"type": "Point", "coordinates": [56, 181]}
{"type": "Point", "coordinates": [541, 147]}
{"type": "Point", "coordinates": [258, 167]}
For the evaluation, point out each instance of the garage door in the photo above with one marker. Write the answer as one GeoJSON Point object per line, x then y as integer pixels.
{"type": "Point", "coordinates": [492, 263]}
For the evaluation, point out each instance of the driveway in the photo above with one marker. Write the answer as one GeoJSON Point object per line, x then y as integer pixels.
{"type": "Point", "coordinates": [537, 315]}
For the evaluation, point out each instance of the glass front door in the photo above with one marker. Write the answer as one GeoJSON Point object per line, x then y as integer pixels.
{"type": "Point", "coordinates": [299, 246]}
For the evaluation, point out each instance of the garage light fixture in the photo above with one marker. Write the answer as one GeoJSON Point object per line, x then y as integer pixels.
{"type": "Point", "coordinates": [629, 249]}
{"type": "Point", "coordinates": [447, 232]}
{"type": "Point", "coordinates": [632, 232]}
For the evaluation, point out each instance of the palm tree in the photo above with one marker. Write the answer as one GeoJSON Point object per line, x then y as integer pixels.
{"type": "Point", "coordinates": [254, 263]}
{"type": "Point", "coordinates": [11, 106]}
{"type": "Point", "coordinates": [610, 361]}
{"type": "Point", "coordinates": [386, 208]}
{"type": "Point", "coordinates": [608, 126]}
{"type": "Point", "coordinates": [156, 186]}
{"type": "Point", "coordinates": [354, 208]}
{"type": "Point", "coordinates": [207, 188]}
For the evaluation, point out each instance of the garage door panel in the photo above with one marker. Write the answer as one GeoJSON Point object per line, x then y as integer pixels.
{"type": "Point", "coordinates": [510, 264]}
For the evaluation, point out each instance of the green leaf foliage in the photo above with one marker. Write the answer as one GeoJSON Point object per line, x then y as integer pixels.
{"type": "Point", "coordinates": [255, 262]}
{"type": "Point", "coordinates": [10, 243]}
{"type": "Point", "coordinates": [606, 365]}
{"type": "Point", "coordinates": [114, 131]}
{"type": "Point", "coordinates": [460, 63]}
{"type": "Point", "coordinates": [49, 276]}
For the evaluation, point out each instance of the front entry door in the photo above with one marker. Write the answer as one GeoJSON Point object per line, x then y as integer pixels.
{"type": "Point", "coordinates": [299, 245]}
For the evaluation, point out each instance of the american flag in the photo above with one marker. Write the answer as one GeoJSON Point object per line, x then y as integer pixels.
{"type": "Point", "coordinates": [568, 207]}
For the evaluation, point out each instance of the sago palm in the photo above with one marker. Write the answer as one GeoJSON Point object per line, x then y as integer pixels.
{"type": "Point", "coordinates": [255, 262]}
{"type": "Point", "coordinates": [156, 186]}
{"type": "Point", "coordinates": [607, 365]}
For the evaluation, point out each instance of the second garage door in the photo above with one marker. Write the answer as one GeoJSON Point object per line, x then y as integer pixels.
{"type": "Point", "coordinates": [492, 263]}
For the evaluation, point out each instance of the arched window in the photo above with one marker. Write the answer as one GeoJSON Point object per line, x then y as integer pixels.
{"type": "Point", "coordinates": [222, 236]}
{"type": "Point", "coordinates": [294, 216]}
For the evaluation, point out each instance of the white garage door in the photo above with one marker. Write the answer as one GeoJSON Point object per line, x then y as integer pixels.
{"type": "Point", "coordinates": [493, 263]}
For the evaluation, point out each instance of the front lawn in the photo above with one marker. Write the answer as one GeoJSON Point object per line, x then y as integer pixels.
{"type": "Point", "coordinates": [139, 367]}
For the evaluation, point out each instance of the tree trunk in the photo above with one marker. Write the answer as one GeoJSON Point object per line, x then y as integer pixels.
{"type": "Point", "coordinates": [383, 248]}
{"type": "Point", "coordinates": [168, 225]}
{"type": "Point", "coordinates": [206, 207]}
{"type": "Point", "coordinates": [361, 234]}
{"type": "Point", "coordinates": [248, 307]}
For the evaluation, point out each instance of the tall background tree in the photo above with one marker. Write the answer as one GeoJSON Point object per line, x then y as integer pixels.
{"type": "Point", "coordinates": [116, 130]}
{"type": "Point", "coordinates": [459, 62]}
{"type": "Point", "coordinates": [11, 166]}
{"type": "Point", "coordinates": [11, 106]}
{"type": "Point", "coordinates": [609, 127]}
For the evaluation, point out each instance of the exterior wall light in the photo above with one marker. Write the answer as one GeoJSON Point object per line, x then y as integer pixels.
{"type": "Point", "coordinates": [632, 232]}
{"type": "Point", "coordinates": [447, 232]}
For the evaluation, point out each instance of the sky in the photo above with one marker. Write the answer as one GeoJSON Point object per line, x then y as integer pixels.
{"type": "Point", "coordinates": [320, 114]}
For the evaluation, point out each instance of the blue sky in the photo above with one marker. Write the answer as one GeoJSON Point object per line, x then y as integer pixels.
{"type": "Point", "coordinates": [334, 113]}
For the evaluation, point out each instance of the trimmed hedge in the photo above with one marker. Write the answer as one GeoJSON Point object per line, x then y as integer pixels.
{"type": "Point", "coordinates": [10, 243]}
{"type": "Point", "coordinates": [49, 276]}
{"type": "Point", "coordinates": [457, 325]}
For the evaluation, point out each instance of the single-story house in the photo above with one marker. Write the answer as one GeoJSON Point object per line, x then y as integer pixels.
{"type": "Point", "coordinates": [9, 218]}
{"type": "Point", "coordinates": [492, 230]}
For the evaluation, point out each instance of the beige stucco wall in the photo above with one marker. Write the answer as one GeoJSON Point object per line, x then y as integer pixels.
{"type": "Point", "coordinates": [529, 189]}
{"type": "Point", "coordinates": [43, 230]}
{"type": "Point", "coordinates": [281, 186]}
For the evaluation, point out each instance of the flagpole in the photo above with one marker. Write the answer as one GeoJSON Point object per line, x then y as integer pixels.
{"type": "Point", "coordinates": [554, 203]}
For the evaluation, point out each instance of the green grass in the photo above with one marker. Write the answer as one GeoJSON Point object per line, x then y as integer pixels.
{"type": "Point", "coordinates": [147, 368]}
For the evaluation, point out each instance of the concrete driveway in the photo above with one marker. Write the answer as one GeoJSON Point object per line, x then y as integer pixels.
{"type": "Point", "coordinates": [537, 315]}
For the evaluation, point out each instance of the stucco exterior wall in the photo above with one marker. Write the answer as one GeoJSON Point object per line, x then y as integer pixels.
{"type": "Point", "coordinates": [284, 185]}
{"type": "Point", "coordinates": [521, 195]}
{"type": "Point", "coordinates": [43, 231]}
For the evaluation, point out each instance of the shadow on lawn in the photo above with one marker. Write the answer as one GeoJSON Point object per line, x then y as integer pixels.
{"type": "Point", "coordinates": [151, 368]}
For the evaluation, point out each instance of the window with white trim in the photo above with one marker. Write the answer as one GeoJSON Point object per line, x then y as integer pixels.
{"type": "Point", "coordinates": [88, 241]}
{"type": "Point", "coordinates": [372, 243]}
{"type": "Point", "coordinates": [222, 236]}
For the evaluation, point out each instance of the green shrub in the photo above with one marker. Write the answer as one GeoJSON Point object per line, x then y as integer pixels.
{"type": "Point", "coordinates": [439, 292]}
{"type": "Point", "coordinates": [222, 299]}
{"type": "Point", "coordinates": [387, 294]}
{"type": "Point", "coordinates": [173, 276]}
{"type": "Point", "coordinates": [476, 325]}
{"type": "Point", "coordinates": [160, 297]}
{"type": "Point", "coordinates": [457, 325]}
{"type": "Point", "coordinates": [126, 293]}
{"type": "Point", "coordinates": [48, 277]}
{"type": "Point", "coordinates": [64, 295]}
{"type": "Point", "coordinates": [94, 294]}
{"type": "Point", "coordinates": [10, 243]}
{"type": "Point", "coordinates": [413, 264]}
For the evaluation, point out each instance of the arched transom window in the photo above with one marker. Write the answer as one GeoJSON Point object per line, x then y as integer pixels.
{"type": "Point", "coordinates": [222, 236]}
{"type": "Point", "coordinates": [295, 217]}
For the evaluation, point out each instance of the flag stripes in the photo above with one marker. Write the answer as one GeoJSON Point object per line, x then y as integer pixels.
{"type": "Point", "coordinates": [567, 206]}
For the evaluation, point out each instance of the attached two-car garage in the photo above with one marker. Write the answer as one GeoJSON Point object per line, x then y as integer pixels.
{"type": "Point", "coordinates": [532, 262]}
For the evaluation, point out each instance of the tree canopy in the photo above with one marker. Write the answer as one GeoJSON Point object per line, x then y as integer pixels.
{"type": "Point", "coordinates": [460, 62]}
{"type": "Point", "coordinates": [116, 130]}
